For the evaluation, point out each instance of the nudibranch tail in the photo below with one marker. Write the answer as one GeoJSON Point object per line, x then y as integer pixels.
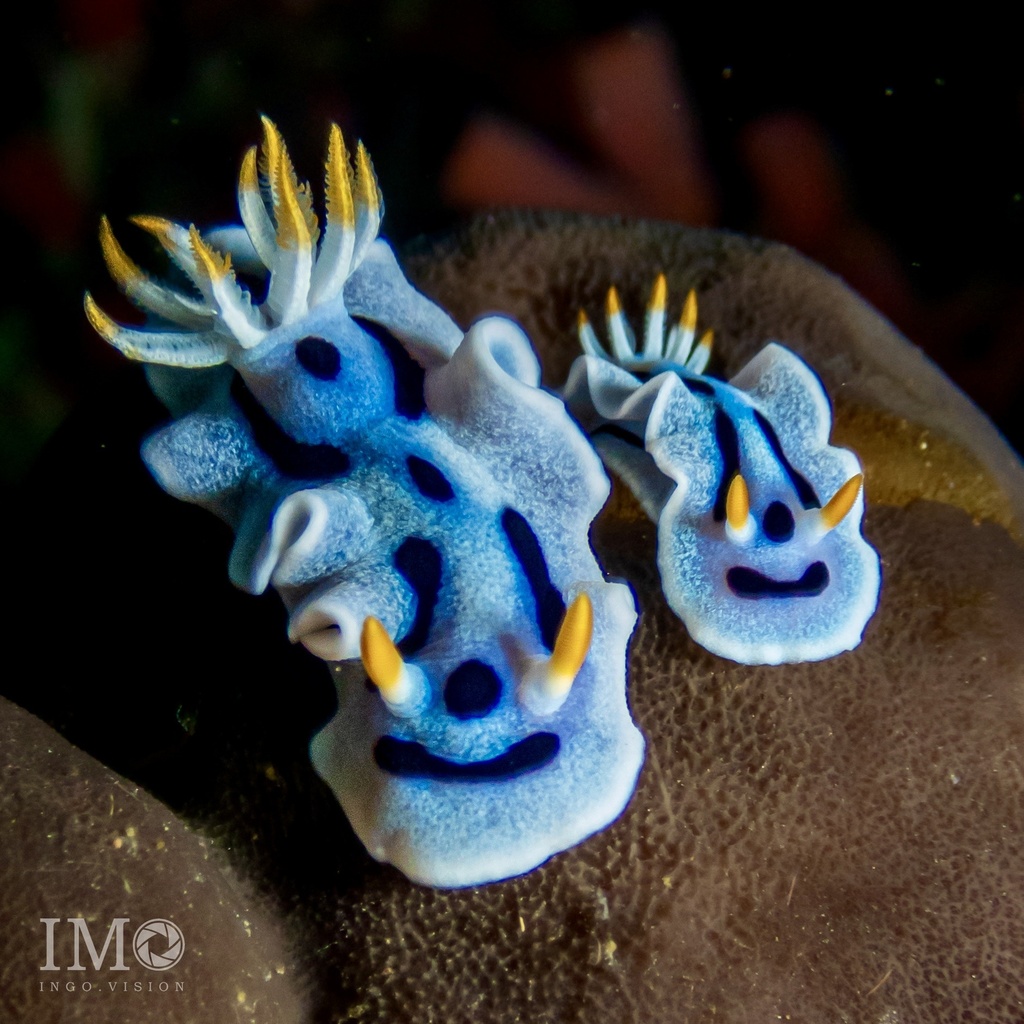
{"type": "Point", "coordinates": [282, 226]}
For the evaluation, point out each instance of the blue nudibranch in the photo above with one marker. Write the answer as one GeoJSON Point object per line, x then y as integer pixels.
{"type": "Point", "coordinates": [421, 505]}
{"type": "Point", "coordinates": [759, 518]}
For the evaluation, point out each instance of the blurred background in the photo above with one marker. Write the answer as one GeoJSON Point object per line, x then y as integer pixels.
{"type": "Point", "coordinates": [897, 163]}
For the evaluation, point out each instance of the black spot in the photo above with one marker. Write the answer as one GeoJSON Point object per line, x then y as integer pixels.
{"type": "Point", "coordinates": [804, 491]}
{"type": "Point", "coordinates": [750, 583]}
{"type": "Point", "coordinates": [729, 450]}
{"type": "Point", "coordinates": [778, 522]}
{"type": "Point", "coordinates": [318, 357]}
{"type": "Point", "coordinates": [550, 608]}
{"type": "Point", "coordinates": [419, 564]}
{"type": "Point", "coordinates": [698, 387]}
{"type": "Point", "coordinates": [292, 458]}
{"type": "Point", "coordinates": [429, 480]}
{"type": "Point", "coordinates": [409, 401]}
{"type": "Point", "coordinates": [614, 430]}
{"type": "Point", "coordinates": [472, 690]}
{"type": "Point", "coordinates": [412, 760]}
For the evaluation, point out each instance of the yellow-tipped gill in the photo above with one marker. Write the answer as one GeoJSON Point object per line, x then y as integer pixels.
{"type": "Point", "coordinates": [688, 319]}
{"type": "Point", "coordinates": [659, 294]}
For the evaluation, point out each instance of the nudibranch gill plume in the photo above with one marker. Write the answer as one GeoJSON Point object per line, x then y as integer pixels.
{"type": "Point", "coordinates": [421, 505]}
{"type": "Point", "coordinates": [760, 547]}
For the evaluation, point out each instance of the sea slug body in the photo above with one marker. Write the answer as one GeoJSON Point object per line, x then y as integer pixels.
{"type": "Point", "coordinates": [421, 505]}
{"type": "Point", "coordinates": [760, 547]}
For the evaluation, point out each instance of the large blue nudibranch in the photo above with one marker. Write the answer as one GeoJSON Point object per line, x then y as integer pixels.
{"type": "Point", "coordinates": [759, 517]}
{"type": "Point", "coordinates": [421, 505]}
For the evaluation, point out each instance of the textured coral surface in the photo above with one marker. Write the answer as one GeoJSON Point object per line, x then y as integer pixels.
{"type": "Point", "coordinates": [80, 841]}
{"type": "Point", "coordinates": [836, 841]}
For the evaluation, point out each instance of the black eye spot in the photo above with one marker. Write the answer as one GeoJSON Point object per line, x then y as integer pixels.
{"type": "Point", "coordinates": [472, 690]}
{"type": "Point", "coordinates": [429, 480]}
{"type": "Point", "coordinates": [318, 357]}
{"type": "Point", "coordinates": [778, 522]}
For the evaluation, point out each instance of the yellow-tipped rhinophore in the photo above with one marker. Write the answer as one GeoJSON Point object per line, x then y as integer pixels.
{"type": "Point", "coordinates": [571, 645]}
{"type": "Point", "coordinates": [659, 295]}
{"type": "Point", "coordinates": [381, 659]}
{"type": "Point", "coordinates": [612, 305]}
{"type": "Point", "coordinates": [737, 503]}
{"type": "Point", "coordinates": [707, 339]}
{"type": "Point", "coordinates": [841, 503]}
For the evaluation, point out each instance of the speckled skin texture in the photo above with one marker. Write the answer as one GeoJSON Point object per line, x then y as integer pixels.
{"type": "Point", "coordinates": [837, 841]}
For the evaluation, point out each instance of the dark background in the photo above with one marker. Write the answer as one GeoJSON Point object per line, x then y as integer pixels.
{"type": "Point", "coordinates": [899, 163]}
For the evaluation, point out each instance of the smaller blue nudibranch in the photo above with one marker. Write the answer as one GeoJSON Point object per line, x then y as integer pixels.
{"type": "Point", "coordinates": [759, 518]}
{"type": "Point", "coordinates": [421, 505]}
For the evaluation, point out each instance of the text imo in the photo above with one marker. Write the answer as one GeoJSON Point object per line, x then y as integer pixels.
{"type": "Point", "coordinates": [158, 944]}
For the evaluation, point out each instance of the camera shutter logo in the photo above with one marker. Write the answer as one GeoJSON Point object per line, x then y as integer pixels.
{"type": "Point", "coordinates": [159, 944]}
